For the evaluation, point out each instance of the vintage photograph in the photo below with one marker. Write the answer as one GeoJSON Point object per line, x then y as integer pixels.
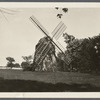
{"type": "Point", "coordinates": [54, 49]}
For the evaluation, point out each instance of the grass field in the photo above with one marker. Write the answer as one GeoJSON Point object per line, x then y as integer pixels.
{"type": "Point", "coordinates": [19, 81]}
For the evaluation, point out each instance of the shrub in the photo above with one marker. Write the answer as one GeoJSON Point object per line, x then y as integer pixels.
{"type": "Point", "coordinates": [26, 66]}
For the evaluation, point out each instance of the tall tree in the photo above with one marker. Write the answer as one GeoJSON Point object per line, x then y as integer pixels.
{"type": "Point", "coordinates": [26, 64]}
{"type": "Point", "coordinates": [83, 54]}
{"type": "Point", "coordinates": [10, 62]}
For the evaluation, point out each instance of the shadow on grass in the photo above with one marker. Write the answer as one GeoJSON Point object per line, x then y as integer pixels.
{"type": "Point", "coordinates": [36, 86]}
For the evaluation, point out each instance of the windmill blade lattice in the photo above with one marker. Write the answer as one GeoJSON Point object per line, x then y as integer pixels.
{"type": "Point", "coordinates": [58, 31]}
{"type": "Point", "coordinates": [57, 36]}
{"type": "Point", "coordinates": [42, 52]}
{"type": "Point", "coordinates": [38, 24]}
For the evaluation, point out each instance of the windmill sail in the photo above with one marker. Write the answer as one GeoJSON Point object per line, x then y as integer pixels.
{"type": "Point", "coordinates": [57, 28]}
{"type": "Point", "coordinates": [37, 23]}
{"type": "Point", "coordinates": [58, 31]}
{"type": "Point", "coordinates": [43, 51]}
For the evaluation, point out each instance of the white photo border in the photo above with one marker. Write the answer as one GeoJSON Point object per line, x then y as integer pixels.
{"type": "Point", "coordinates": [49, 94]}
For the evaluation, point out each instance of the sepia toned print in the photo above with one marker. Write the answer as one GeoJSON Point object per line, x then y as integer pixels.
{"type": "Point", "coordinates": [49, 49]}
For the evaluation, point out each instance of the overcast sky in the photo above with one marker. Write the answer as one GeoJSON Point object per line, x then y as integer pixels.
{"type": "Point", "coordinates": [18, 35]}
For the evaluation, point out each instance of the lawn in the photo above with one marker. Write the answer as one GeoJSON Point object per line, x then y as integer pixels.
{"type": "Point", "coordinates": [26, 81]}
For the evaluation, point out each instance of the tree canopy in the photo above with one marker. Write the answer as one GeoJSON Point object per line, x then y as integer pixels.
{"type": "Point", "coordinates": [83, 54]}
{"type": "Point", "coordinates": [10, 59]}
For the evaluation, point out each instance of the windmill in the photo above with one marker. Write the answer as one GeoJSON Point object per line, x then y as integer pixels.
{"type": "Point", "coordinates": [44, 48]}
